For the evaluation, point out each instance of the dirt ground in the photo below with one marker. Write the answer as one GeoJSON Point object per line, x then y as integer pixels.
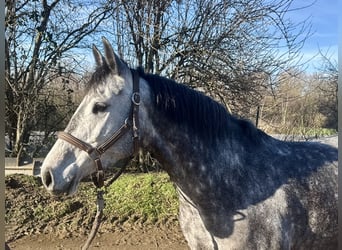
{"type": "Point", "coordinates": [70, 230]}
{"type": "Point", "coordinates": [146, 238]}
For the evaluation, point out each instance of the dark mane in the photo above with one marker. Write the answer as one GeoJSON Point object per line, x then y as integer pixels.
{"type": "Point", "coordinates": [197, 112]}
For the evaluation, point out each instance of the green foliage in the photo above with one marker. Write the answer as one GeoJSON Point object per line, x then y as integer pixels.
{"type": "Point", "coordinates": [148, 197]}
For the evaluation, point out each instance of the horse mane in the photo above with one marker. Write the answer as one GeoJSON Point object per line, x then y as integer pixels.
{"type": "Point", "coordinates": [197, 112]}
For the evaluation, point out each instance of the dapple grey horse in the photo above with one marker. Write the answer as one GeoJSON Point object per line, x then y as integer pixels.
{"type": "Point", "coordinates": [239, 188]}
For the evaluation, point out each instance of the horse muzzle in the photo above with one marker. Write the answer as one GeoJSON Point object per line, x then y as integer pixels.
{"type": "Point", "coordinates": [58, 184]}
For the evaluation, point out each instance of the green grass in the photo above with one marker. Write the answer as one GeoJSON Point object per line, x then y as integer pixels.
{"type": "Point", "coordinates": [310, 132]}
{"type": "Point", "coordinates": [146, 197]}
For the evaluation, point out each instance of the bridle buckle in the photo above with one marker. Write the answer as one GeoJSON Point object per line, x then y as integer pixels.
{"type": "Point", "coordinates": [136, 98]}
{"type": "Point", "coordinates": [94, 154]}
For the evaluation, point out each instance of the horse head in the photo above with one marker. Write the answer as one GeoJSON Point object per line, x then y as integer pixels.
{"type": "Point", "coordinates": [106, 107]}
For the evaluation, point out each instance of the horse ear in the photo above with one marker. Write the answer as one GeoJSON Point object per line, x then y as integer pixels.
{"type": "Point", "coordinates": [98, 56]}
{"type": "Point", "coordinates": [112, 60]}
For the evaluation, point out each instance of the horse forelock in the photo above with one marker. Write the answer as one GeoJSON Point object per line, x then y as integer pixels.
{"type": "Point", "coordinates": [103, 77]}
{"type": "Point", "coordinates": [98, 77]}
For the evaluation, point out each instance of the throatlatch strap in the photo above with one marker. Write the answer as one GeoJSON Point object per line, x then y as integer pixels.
{"type": "Point", "coordinates": [135, 112]}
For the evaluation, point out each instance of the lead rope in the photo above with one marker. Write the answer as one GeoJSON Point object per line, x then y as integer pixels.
{"type": "Point", "coordinates": [100, 204]}
{"type": "Point", "coordinates": [97, 221]}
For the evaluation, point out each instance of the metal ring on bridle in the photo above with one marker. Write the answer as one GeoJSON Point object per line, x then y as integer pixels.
{"type": "Point", "coordinates": [126, 121]}
{"type": "Point", "coordinates": [136, 98]}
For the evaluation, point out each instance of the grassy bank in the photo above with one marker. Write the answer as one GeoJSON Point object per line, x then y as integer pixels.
{"type": "Point", "coordinates": [134, 198]}
{"type": "Point", "coordinates": [148, 197]}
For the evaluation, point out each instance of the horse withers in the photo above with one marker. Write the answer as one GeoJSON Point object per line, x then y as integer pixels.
{"type": "Point", "coordinates": [238, 187]}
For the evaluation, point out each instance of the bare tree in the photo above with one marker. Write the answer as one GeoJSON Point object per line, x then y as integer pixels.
{"type": "Point", "coordinates": [230, 49]}
{"type": "Point", "coordinates": [328, 86]}
{"type": "Point", "coordinates": [40, 36]}
{"type": "Point", "coordinates": [301, 104]}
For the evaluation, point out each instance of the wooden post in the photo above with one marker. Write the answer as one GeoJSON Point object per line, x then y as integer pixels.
{"type": "Point", "coordinates": [257, 117]}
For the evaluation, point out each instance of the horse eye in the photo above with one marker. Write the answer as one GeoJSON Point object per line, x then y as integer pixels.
{"type": "Point", "coordinates": [99, 107]}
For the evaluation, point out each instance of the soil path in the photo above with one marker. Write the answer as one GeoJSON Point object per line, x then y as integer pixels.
{"type": "Point", "coordinates": [145, 238]}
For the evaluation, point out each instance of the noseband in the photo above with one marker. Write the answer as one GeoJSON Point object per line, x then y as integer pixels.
{"type": "Point", "coordinates": [95, 153]}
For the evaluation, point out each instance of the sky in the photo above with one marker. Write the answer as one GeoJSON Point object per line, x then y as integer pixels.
{"type": "Point", "coordinates": [324, 18]}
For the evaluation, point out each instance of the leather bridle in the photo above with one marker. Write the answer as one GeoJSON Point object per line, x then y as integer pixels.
{"type": "Point", "coordinates": [95, 153]}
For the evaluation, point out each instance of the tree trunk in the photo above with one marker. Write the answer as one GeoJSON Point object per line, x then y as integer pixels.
{"type": "Point", "coordinates": [21, 137]}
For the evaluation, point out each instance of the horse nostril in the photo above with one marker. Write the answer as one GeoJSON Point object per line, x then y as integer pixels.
{"type": "Point", "coordinates": [47, 179]}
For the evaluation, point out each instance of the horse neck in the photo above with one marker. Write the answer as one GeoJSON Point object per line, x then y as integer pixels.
{"type": "Point", "coordinates": [169, 142]}
{"type": "Point", "coordinates": [198, 169]}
